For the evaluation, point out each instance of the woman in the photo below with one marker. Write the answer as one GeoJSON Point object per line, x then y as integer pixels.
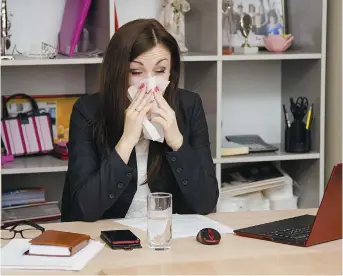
{"type": "Point", "coordinates": [252, 13]}
{"type": "Point", "coordinates": [111, 167]}
{"type": "Point", "coordinates": [274, 27]}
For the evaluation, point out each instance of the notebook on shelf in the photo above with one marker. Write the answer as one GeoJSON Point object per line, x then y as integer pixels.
{"type": "Point", "coordinates": [254, 142]}
{"type": "Point", "coordinates": [231, 148]}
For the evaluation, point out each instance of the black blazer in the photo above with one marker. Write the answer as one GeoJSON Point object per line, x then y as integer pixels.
{"type": "Point", "coordinates": [101, 187]}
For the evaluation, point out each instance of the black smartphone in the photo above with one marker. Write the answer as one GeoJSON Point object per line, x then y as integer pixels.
{"type": "Point", "coordinates": [120, 239]}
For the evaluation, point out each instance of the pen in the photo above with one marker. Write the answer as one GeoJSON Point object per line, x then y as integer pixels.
{"type": "Point", "coordinates": [309, 115]}
{"type": "Point", "coordinates": [312, 117]}
{"type": "Point", "coordinates": [311, 121]}
{"type": "Point", "coordinates": [286, 116]}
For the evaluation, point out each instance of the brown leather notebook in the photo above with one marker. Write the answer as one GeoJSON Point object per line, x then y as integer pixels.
{"type": "Point", "coordinates": [57, 243]}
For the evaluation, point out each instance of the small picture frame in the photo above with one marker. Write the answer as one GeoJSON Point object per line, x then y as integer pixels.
{"type": "Point", "coordinates": [268, 18]}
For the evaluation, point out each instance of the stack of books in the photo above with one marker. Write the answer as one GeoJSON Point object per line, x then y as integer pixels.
{"type": "Point", "coordinates": [28, 204]}
{"type": "Point", "coordinates": [15, 197]}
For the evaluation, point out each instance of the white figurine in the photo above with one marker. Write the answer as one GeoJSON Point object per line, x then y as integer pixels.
{"type": "Point", "coordinates": [173, 19]}
{"type": "Point", "coordinates": [228, 25]}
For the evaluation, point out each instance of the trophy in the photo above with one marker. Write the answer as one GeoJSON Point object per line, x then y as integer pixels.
{"type": "Point", "coordinates": [245, 26]}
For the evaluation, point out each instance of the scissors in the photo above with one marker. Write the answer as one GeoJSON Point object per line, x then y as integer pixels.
{"type": "Point", "coordinates": [299, 108]}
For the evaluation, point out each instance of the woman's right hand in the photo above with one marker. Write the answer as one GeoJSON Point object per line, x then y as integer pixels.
{"type": "Point", "coordinates": [134, 116]}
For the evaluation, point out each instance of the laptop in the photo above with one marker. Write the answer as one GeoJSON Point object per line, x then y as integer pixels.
{"type": "Point", "coordinates": [307, 230]}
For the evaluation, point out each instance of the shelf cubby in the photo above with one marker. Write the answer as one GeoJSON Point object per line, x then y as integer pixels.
{"type": "Point", "coordinates": [206, 87]}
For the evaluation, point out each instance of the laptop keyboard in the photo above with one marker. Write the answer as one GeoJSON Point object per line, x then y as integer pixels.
{"type": "Point", "coordinates": [292, 233]}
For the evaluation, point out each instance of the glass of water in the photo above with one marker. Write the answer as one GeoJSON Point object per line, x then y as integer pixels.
{"type": "Point", "coordinates": [159, 220]}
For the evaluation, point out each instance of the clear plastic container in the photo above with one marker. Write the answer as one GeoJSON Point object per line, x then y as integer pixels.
{"type": "Point", "coordinates": [286, 203]}
{"type": "Point", "coordinates": [232, 204]}
{"type": "Point", "coordinates": [248, 202]}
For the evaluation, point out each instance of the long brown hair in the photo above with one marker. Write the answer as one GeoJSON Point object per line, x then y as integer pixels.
{"type": "Point", "coordinates": [129, 42]}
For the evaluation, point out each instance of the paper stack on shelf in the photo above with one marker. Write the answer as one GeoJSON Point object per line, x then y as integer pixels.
{"type": "Point", "coordinates": [256, 187]}
{"type": "Point", "coordinates": [48, 211]}
{"type": "Point", "coordinates": [250, 178]}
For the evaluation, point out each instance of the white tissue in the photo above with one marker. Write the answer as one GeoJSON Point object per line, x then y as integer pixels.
{"type": "Point", "coordinates": [151, 131]}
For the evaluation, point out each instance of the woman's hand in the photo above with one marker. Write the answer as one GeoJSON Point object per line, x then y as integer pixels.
{"type": "Point", "coordinates": [133, 125]}
{"type": "Point", "coordinates": [166, 118]}
{"type": "Point", "coordinates": [135, 113]}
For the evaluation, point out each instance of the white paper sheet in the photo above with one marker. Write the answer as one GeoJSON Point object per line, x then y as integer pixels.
{"type": "Point", "coordinates": [183, 225]}
{"type": "Point", "coordinates": [12, 257]}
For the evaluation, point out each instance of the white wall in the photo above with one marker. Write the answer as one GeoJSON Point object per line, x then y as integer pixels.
{"type": "Point", "coordinates": [42, 28]}
{"type": "Point", "coordinates": [251, 102]}
{"type": "Point", "coordinates": [140, 9]}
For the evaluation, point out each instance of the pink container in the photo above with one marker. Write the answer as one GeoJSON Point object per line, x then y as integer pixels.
{"type": "Point", "coordinates": [277, 43]}
{"type": "Point", "coordinates": [6, 159]}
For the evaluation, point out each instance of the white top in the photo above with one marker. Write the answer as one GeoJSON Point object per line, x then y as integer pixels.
{"type": "Point", "coordinates": [138, 207]}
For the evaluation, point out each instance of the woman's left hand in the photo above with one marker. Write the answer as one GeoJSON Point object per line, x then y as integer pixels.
{"type": "Point", "coordinates": [166, 118]}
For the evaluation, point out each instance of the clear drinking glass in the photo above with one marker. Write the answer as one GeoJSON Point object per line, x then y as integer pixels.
{"type": "Point", "coordinates": [159, 220]}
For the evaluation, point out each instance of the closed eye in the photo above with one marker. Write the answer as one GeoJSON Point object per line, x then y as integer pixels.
{"type": "Point", "coordinates": [135, 72]}
{"type": "Point", "coordinates": [161, 70]}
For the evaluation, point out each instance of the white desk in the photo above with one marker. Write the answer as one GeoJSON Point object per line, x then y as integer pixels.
{"type": "Point", "coordinates": [234, 255]}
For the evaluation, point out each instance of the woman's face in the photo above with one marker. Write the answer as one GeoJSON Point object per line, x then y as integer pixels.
{"type": "Point", "coordinates": [272, 19]}
{"type": "Point", "coordinates": [155, 62]}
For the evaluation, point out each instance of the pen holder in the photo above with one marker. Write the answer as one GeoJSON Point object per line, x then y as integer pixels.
{"type": "Point", "coordinates": [297, 137]}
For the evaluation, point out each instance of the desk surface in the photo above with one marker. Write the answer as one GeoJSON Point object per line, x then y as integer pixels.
{"type": "Point", "coordinates": [234, 255]}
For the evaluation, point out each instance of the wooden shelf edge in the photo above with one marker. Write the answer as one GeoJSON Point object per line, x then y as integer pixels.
{"type": "Point", "coordinates": [13, 171]}
{"type": "Point", "coordinates": [256, 157]}
{"type": "Point", "coordinates": [271, 56]}
{"type": "Point", "coordinates": [57, 61]}
{"type": "Point", "coordinates": [187, 57]}
{"type": "Point", "coordinates": [34, 164]}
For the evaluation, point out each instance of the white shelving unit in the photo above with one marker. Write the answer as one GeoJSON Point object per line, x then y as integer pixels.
{"type": "Point", "coordinates": [242, 94]}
